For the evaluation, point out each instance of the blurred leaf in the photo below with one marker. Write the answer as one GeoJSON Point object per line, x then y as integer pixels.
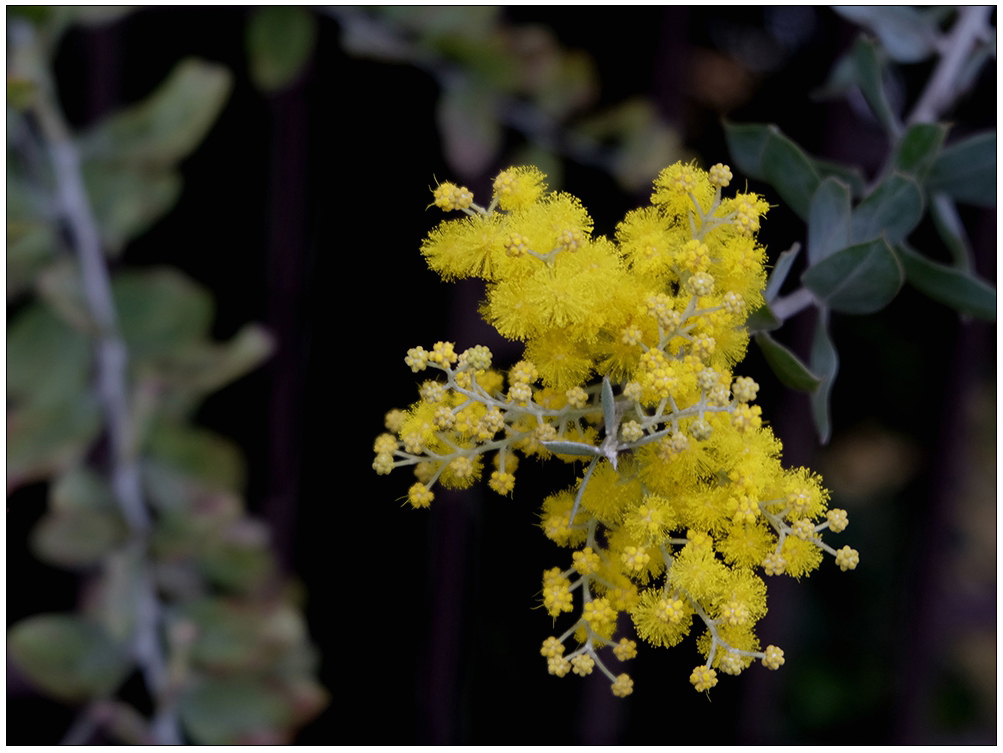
{"type": "Point", "coordinates": [68, 657]}
{"type": "Point", "coordinates": [966, 171]}
{"type": "Point", "coordinates": [236, 635]}
{"type": "Point", "coordinates": [949, 285]}
{"type": "Point", "coordinates": [764, 153]}
{"type": "Point", "coordinates": [83, 523]}
{"type": "Point", "coordinates": [45, 439]}
{"type": "Point", "coordinates": [190, 458]}
{"type": "Point", "coordinates": [841, 79]}
{"type": "Point", "coordinates": [61, 288]}
{"type": "Point", "coordinates": [824, 361]}
{"type": "Point", "coordinates": [20, 92]}
{"type": "Point", "coordinates": [893, 209]}
{"type": "Point", "coordinates": [860, 279]}
{"type": "Point", "coordinates": [166, 126]}
{"type": "Point", "coordinates": [433, 21]}
{"type": "Point", "coordinates": [77, 538]}
{"type": "Point", "coordinates": [644, 144]}
{"type": "Point", "coordinates": [206, 367]}
{"type": "Point", "coordinates": [80, 488]}
{"type": "Point", "coordinates": [780, 271]}
{"type": "Point", "coordinates": [787, 366]}
{"type": "Point", "coordinates": [235, 711]}
{"type": "Point", "coordinates": [870, 78]}
{"type": "Point", "coordinates": [280, 40]}
{"type": "Point", "coordinates": [918, 147]}
{"type": "Point", "coordinates": [467, 115]}
{"type": "Point", "coordinates": [47, 360]}
{"type": "Point", "coordinates": [127, 201]}
{"type": "Point", "coordinates": [906, 34]}
{"type": "Point", "coordinates": [762, 320]}
{"type": "Point", "coordinates": [101, 15]}
{"type": "Point", "coordinates": [238, 559]}
{"type": "Point", "coordinates": [828, 220]}
{"type": "Point", "coordinates": [31, 246]}
{"type": "Point", "coordinates": [160, 311]}
{"type": "Point", "coordinates": [570, 84]}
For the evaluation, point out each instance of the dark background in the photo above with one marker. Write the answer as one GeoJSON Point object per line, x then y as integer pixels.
{"type": "Point", "coordinates": [305, 210]}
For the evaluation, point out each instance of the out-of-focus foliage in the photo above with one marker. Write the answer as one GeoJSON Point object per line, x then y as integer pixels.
{"type": "Point", "coordinates": [859, 251]}
{"type": "Point", "coordinates": [240, 663]}
{"type": "Point", "coordinates": [496, 75]}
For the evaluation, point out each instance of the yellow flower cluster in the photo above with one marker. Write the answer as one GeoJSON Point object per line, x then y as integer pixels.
{"type": "Point", "coordinates": [683, 506]}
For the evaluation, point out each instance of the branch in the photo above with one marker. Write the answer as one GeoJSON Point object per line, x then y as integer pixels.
{"type": "Point", "coordinates": [112, 360]}
{"type": "Point", "coordinates": [943, 90]}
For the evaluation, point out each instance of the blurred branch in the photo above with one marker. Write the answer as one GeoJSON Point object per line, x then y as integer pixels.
{"type": "Point", "coordinates": [112, 363]}
{"type": "Point", "coordinates": [524, 117]}
{"type": "Point", "coordinates": [943, 88]}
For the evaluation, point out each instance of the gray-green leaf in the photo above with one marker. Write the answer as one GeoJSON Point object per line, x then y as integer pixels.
{"type": "Point", "coordinates": [824, 361]}
{"type": "Point", "coordinates": [780, 271]}
{"type": "Point", "coordinates": [949, 285]}
{"type": "Point", "coordinates": [764, 153]}
{"type": "Point", "coordinates": [893, 209]}
{"type": "Point", "coordinates": [906, 35]}
{"type": "Point", "coordinates": [918, 147]}
{"type": "Point", "coordinates": [870, 78]}
{"type": "Point", "coordinates": [787, 366]}
{"type": "Point", "coordinates": [860, 279]}
{"type": "Point", "coordinates": [828, 220]}
{"type": "Point", "coordinates": [966, 171]}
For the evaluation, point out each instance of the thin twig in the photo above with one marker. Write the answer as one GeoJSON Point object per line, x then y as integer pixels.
{"type": "Point", "coordinates": [786, 307]}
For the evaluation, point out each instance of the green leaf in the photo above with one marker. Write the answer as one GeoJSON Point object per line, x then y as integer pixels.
{"type": "Point", "coordinates": [870, 78]}
{"type": "Point", "coordinates": [161, 311]}
{"type": "Point", "coordinates": [893, 209]}
{"type": "Point", "coordinates": [207, 367]}
{"type": "Point", "coordinates": [966, 171]}
{"type": "Point", "coordinates": [786, 365]}
{"type": "Point", "coordinates": [77, 538]}
{"type": "Point", "coordinates": [780, 271]}
{"type": "Point", "coordinates": [31, 246]}
{"type": "Point", "coordinates": [128, 201]}
{"type": "Point", "coordinates": [828, 220]}
{"type": "Point", "coordinates": [949, 285]}
{"type": "Point", "coordinates": [81, 489]}
{"type": "Point", "coordinates": [918, 147]}
{"type": "Point", "coordinates": [762, 320]}
{"type": "Point", "coordinates": [764, 153]}
{"type": "Point", "coordinates": [824, 361]}
{"type": "Point", "coordinates": [860, 279]}
{"type": "Point", "coordinates": [280, 40]}
{"type": "Point", "coordinates": [169, 124]}
{"type": "Point", "coordinates": [183, 463]}
{"type": "Point", "coordinates": [47, 360]}
{"type": "Point", "coordinates": [68, 657]}
{"type": "Point", "coordinates": [467, 116]}
{"type": "Point", "coordinates": [906, 35]}
{"type": "Point", "coordinates": [235, 711]}
{"type": "Point", "coordinates": [46, 439]}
